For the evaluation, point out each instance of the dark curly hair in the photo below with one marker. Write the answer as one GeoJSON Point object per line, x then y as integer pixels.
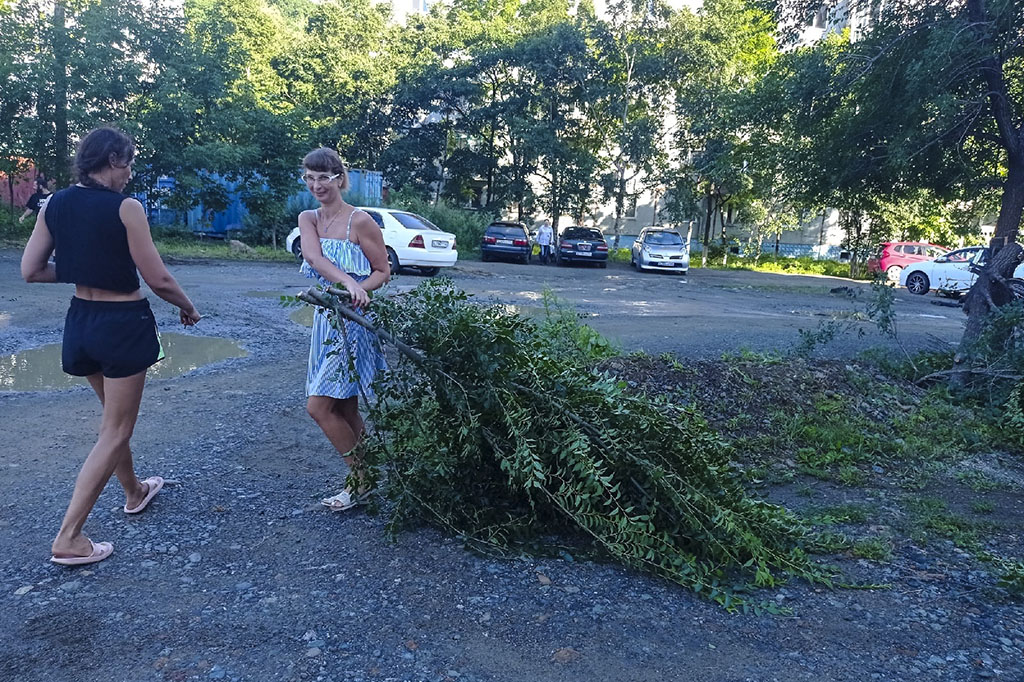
{"type": "Point", "coordinates": [102, 148]}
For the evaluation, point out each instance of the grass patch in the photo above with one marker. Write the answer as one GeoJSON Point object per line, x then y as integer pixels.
{"type": "Point", "coordinates": [836, 514]}
{"type": "Point", "coordinates": [875, 549]}
{"type": "Point", "coordinates": [932, 519]}
{"type": "Point", "coordinates": [804, 265]}
{"type": "Point", "coordinates": [188, 249]}
{"type": "Point", "coordinates": [982, 507]}
{"type": "Point", "coordinates": [977, 481]}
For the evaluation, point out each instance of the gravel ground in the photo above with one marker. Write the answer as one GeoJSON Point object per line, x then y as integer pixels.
{"type": "Point", "coordinates": [236, 573]}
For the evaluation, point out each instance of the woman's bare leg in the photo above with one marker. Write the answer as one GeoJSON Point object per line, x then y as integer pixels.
{"type": "Point", "coordinates": [341, 422]}
{"type": "Point", "coordinates": [121, 399]}
{"type": "Point", "coordinates": [134, 489]}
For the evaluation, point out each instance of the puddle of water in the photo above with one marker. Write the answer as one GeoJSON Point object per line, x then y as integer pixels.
{"type": "Point", "coordinates": [39, 369]}
{"type": "Point", "coordinates": [303, 316]}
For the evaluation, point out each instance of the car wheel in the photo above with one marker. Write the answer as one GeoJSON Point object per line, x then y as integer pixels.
{"type": "Point", "coordinates": [297, 248]}
{"type": "Point", "coordinates": [893, 273]}
{"type": "Point", "coordinates": [485, 257]}
{"type": "Point", "coordinates": [393, 261]}
{"type": "Point", "coordinates": [632, 260]}
{"type": "Point", "coordinates": [917, 283]}
{"type": "Point", "coordinates": [602, 264]}
{"type": "Point", "coordinates": [430, 272]}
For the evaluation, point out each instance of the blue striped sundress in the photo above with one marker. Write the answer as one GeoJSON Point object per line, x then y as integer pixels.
{"type": "Point", "coordinates": [341, 364]}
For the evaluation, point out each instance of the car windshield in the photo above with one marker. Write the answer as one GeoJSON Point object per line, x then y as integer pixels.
{"type": "Point", "coordinates": [411, 221]}
{"type": "Point", "coordinates": [963, 255]}
{"type": "Point", "coordinates": [663, 238]}
{"type": "Point", "coordinates": [582, 233]}
{"type": "Point", "coordinates": [506, 230]}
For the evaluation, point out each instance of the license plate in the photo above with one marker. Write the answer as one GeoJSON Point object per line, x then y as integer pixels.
{"type": "Point", "coordinates": [439, 244]}
{"type": "Point", "coordinates": [584, 253]}
{"type": "Point", "coordinates": [506, 242]}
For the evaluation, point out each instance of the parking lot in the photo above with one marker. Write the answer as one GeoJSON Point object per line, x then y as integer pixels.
{"type": "Point", "coordinates": [710, 312]}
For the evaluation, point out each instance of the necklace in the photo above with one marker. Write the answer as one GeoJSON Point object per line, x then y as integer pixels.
{"type": "Point", "coordinates": [331, 222]}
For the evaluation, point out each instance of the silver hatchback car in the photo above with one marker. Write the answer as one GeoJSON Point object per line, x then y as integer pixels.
{"type": "Point", "coordinates": [660, 248]}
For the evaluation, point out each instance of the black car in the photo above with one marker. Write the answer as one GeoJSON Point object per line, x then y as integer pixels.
{"type": "Point", "coordinates": [506, 240]}
{"type": "Point", "coordinates": [585, 244]}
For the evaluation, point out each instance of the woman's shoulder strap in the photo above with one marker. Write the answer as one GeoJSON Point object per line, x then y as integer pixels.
{"type": "Point", "coordinates": [348, 228]}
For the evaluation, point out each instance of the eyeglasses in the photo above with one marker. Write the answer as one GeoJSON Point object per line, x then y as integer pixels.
{"type": "Point", "coordinates": [323, 179]}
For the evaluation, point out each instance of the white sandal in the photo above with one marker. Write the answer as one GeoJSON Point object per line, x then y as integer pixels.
{"type": "Point", "coordinates": [344, 500]}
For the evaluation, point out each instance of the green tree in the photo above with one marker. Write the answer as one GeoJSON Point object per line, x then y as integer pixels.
{"type": "Point", "coordinates": [719, 53]}
{"type": "Point", "coordinates": [934, 92]}
{"type": "Point", "coordinates": [19, 78]}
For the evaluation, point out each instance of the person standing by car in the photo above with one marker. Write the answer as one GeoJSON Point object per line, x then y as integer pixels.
{"type": "Point", "coordinates": [102, 242]}
{"type": "Point", "coordinates": [341, 246]}
{"type": "Point", "coordinates": [37, 199]}
{"type": "Point", "coordinates": [544, 238]}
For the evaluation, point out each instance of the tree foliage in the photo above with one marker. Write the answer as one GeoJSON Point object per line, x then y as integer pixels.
{"type": "Point", "coordinates": [539, 450]}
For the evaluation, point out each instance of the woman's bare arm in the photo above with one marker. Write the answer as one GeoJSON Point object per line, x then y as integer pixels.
{"type": "Point", "coordinates": [151, 266]}
{"type": "Point", "coordinates": [35, 261]}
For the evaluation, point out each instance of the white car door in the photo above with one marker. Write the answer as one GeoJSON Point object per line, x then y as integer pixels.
{"type": "Point", "coordinates": [952, 272]}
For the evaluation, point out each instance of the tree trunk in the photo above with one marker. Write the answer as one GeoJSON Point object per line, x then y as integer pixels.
{"type": "Point", "coordinates": [725, 243]}
{"type": "Point", "coordinates": [709, 213]}
{"type": "Point", "coordinates": [61, 140]}
{"type": "Point", "coordinates": [1005, 254]}
{"type": "Point", "coordinates": [989, 291]}
{"type": "Point", "coordinates": [620, 201]}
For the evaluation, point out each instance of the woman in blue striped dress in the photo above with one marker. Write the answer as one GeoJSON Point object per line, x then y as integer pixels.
{"type": "Point", "coordinates": [340, 246]}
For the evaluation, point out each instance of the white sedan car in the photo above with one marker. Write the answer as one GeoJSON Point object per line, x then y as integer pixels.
{"type": "Point", "coordinates": [411, 241]}
{"type": "Point", "coordinates": [659, 248]}
{"type": "Point", "coordinates": [949, 274]}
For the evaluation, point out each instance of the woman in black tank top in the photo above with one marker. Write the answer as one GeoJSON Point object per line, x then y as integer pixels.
{"type": "Point", "coordinates": [102, 243]}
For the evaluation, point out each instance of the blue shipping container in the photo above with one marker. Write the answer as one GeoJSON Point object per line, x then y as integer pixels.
{"type": "Point", "coordinates": [365, 186]}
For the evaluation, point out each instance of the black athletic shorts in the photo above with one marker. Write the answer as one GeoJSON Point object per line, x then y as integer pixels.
{"type": "Point", "coordinates": [117, 338]}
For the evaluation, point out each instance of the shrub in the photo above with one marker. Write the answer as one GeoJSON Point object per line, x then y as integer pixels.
{"type": "Point", "coordinates": [467, 225]}
{"type": "Point", "coordinates": [13, 230]}
{"type": "Point", "coordinates": [619, 255]}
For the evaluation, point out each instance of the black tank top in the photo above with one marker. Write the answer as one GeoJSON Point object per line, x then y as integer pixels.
{"type": "Point", "coordinates": [90, 240]}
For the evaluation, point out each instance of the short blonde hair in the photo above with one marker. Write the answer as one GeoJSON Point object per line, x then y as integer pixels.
{"type": "Point", "coordinates": [326, 160]}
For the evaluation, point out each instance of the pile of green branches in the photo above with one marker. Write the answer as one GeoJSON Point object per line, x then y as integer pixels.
{"type": "Point", "coordinates": [498, 429]}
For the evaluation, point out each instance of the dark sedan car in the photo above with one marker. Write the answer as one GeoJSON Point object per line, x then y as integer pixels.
{"type": "Point", "coordinates": [582, 244]}
{"type": "Point", "coordinates": [506, 240]}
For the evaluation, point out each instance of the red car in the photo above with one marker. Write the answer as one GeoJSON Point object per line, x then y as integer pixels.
{"type": "Point", "coordinates": [892, 257]}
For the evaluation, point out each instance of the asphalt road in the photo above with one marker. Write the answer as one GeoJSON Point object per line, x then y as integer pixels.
{"type": "Point", "coordinates": [702, 315]}
{"type": "Point", "coordinates": [710, 312]}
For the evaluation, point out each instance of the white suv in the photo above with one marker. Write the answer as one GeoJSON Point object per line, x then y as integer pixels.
{"type": "Point", "coordinates": [411, 240]}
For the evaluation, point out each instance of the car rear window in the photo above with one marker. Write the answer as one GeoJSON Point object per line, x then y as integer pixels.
{"type": "Point", "coordinates": [376, 218]}
{"type": "Point", "coordinates": [664, 238]}
{"type": "Point", "coordinates": [506, 230]}
{"type": "Point", "coordinates": [582, 233]}
{"type": "Point", "coordinates": [411, 221]}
